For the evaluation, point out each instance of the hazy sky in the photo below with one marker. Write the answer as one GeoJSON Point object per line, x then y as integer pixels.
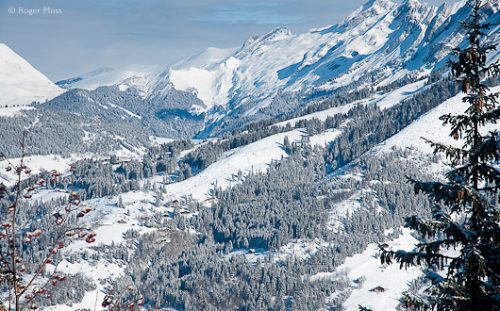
{"type": "Point", "coordinates": [63, 38]}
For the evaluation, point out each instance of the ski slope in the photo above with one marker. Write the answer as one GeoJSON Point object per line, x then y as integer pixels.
{"type": "Point", "coordinates": [397, 96]}
{"type": "Point", "coordinates": [324, 114]}
{"type": "Point", "coordinates": [253, 157]}
{"type": "Point", "coordinates": [430, 127]}
{"type": "Point", "coordinates": [323, 139]}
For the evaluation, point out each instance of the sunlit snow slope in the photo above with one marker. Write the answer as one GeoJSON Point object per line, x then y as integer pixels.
{"type": "Point", "coordinates": [21, 83]}
{"type": "Point", "coordinates": [430, 127]}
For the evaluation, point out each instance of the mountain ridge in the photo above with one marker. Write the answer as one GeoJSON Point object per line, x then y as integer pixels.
{"type": "Point", "coordinates": [381, 42]}
{"type": "Point", "coordinates": [20, 82]}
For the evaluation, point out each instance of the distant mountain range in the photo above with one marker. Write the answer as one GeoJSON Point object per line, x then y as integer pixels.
{"type": "Point", "coordinates": [384, 42]}
{"type": "Point", "coordinates": [376, 45]}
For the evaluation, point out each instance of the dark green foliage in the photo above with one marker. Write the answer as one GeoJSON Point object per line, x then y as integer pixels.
{"type": "Point", "coordinates": [462, 238]}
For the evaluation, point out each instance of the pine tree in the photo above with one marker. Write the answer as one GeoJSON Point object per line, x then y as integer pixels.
{"type": "Point", "coordinates": [462, 238]}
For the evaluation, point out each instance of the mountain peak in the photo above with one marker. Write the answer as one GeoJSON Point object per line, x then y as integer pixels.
{"type": "Point", "coordinates": [414, 4]}
{"type": "Point", "coordinates": [253, 43]}
{"type": "Point", "coordinates": [371, 9]}
{"type": "Point", "coordinates": [278, 34]}
{"type": "Point", "coordinates": [377, 5]}
{"type": "Point", "coordinates": [20, 82]}
{"type": "Point", "coordinates": [209, 57]}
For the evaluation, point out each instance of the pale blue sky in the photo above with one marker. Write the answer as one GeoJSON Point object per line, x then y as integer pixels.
{"type": "Point", "coordinates": [77, 36]}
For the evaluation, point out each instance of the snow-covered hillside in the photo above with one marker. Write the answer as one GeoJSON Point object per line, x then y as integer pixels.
{"type": "Point", "coordinates": [115, 215]}
{"type": "Point", "coordinates": [392, 279]}
{"type": "Point", "coordinates": [382, 100]}
{"type": "Point", "coordinates": [254, 157]}
{"type": "Point", "coordinates": [21, 83]}
{"type": "Point", "coordinates": [430, 127]}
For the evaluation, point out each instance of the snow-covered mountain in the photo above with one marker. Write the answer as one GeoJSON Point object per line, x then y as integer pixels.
{"type": "Point", "coordinates": [381, 42]}
{"type": "Point", "coordinates": [381, 47]}
{"type": "Point", "coordinates": [137, 76]}
{"type": "Point", "coordinates": [21, 83]}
